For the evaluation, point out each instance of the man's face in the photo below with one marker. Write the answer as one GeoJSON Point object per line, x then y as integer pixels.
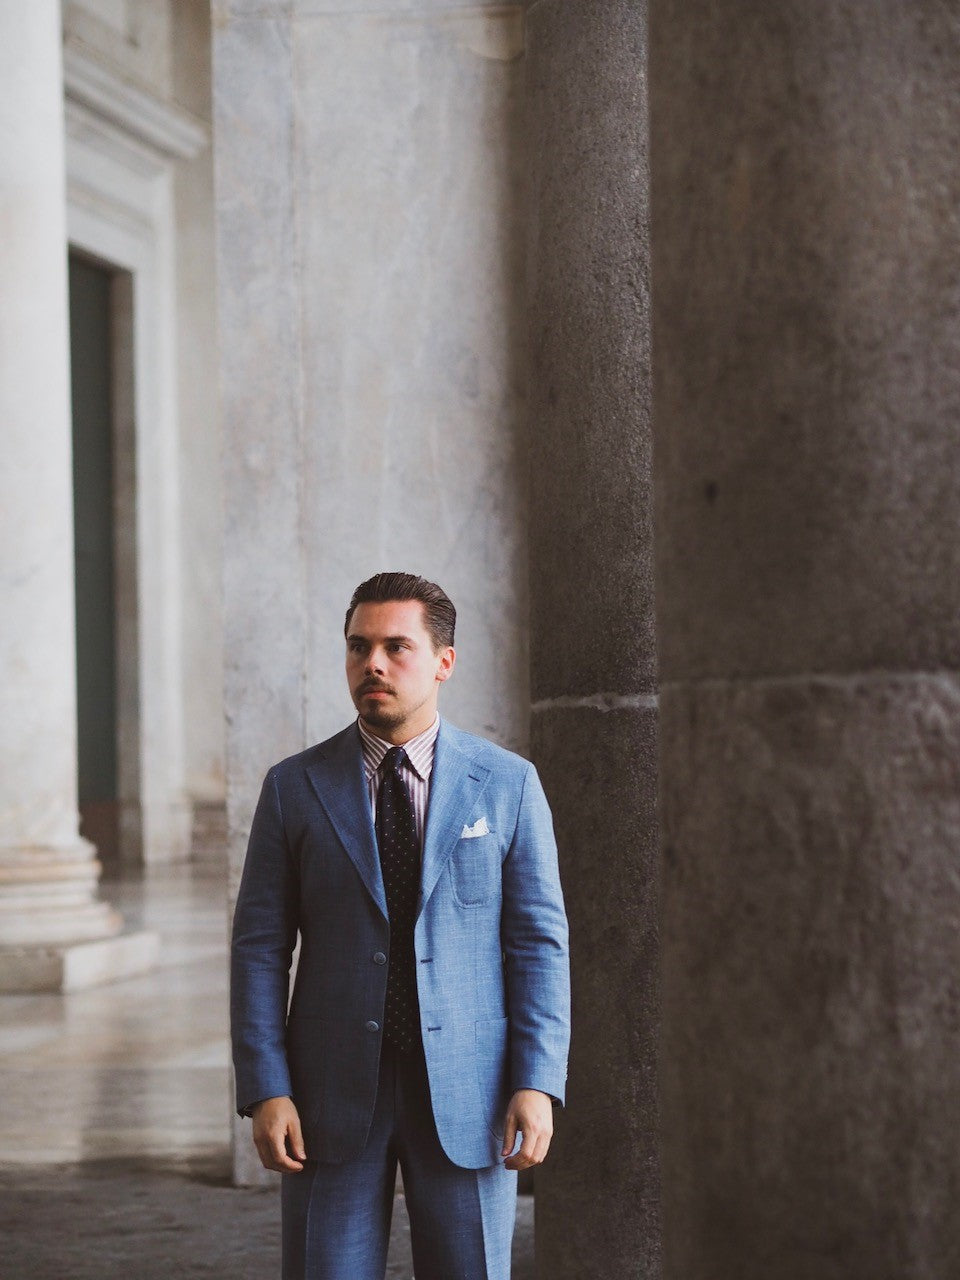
{"type": "Point", "coordinates": [393, 671]}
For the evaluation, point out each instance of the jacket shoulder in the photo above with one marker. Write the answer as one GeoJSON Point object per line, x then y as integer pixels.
{"type": "Point", "coordinates": [491, 754]}
{"type": "Point", "coordinates": [300, 760]}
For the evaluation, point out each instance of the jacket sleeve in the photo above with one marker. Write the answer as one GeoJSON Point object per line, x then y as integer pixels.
{"type": "Point", "coordinates": [264, 936]}
{"type": "Point", "coordinates": [535, 946]}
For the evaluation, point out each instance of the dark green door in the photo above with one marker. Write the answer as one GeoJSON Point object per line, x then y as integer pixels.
{"type": "Point", "coordinates": [93, 490]}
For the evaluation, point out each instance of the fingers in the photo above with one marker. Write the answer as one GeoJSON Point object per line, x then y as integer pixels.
{"type": "Point", "coordinates": [296, 1137]}
{"type": "Point", "coordinates": [276, 1127]}
{"type": "Point", "coordinates": [533, 1151]}
{"type": "Point", "coordinates": [531, 1113]}
{"type": "Point", "coordinates": [509, 1133]}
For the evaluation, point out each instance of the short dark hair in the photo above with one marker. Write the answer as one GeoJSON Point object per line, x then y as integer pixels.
{"type": "Point", "coordinates": [439, 615]}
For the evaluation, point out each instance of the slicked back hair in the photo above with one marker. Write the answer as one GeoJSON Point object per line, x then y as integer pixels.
{"type": "Point", "coordinates": [439, 615]}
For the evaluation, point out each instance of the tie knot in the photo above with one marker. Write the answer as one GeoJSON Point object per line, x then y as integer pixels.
{"type": "Point", "coordinates": [393, 760]}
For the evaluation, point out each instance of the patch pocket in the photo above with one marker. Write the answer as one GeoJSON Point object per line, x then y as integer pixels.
{"type": "Point", "coordinates": [475, 870]}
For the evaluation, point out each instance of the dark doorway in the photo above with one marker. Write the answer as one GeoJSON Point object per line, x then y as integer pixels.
{"type": "Point", "coordinates": [91, 346]}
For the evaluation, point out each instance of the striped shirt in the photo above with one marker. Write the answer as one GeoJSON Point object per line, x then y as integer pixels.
{"type": "Point", "coordinates": [416, 770]}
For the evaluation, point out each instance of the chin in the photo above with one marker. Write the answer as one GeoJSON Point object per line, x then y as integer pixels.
{"type": "Point", "coordinates": [381, 717]}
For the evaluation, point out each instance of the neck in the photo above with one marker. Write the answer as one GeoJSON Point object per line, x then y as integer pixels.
{"type": "Point", "coordinates": [399, 734]}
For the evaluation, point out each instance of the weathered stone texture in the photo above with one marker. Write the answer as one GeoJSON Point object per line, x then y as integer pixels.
{"type": "Point", "coordinates": [807, 269]}
{"type": "Point", "coordinates": [806, 280]}
{"type": "Point", "coordinates": [593, 659]}
{"type": "Point", "coordinates": [597, 1210]}
{"type": "Point", "coordinates": [590, 441]}
{"type": "Point", "coordinates": [811, 939]}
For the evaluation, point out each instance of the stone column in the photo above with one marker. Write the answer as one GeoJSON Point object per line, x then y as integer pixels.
{"type": "Point", "coordinates": [593, 664]}
{"type": "Point", "coordinates": [807, 278]}
{"type": "Point", "coordinates": [54, 932]}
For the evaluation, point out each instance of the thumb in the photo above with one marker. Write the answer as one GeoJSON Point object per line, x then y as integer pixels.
{"type": "Point", "coordinates": [509, 1133]}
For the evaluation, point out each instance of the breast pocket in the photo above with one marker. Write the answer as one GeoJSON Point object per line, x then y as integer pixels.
{"type": "Point", "coordinates": [475, 870]}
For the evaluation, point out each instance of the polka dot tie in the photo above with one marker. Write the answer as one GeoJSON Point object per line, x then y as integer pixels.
{"type": "Point", "coordinates": [400, 864]}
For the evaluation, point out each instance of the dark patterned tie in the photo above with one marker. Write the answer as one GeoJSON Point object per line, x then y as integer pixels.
{"type": "Point", "coordinates": [400, 864]}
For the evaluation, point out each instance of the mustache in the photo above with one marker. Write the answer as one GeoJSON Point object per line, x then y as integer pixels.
{"type": "Point", "coordinates": [374, 686]}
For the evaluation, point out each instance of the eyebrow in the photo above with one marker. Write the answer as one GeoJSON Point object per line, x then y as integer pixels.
{"type": "Point", "coordinates": [386, 639]}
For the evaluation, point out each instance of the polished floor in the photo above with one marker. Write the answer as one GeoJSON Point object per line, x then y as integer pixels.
{"type": "Point", "coordinates": [134, 1068]}
{"type": "Point", "coordinates": [115, 1118]}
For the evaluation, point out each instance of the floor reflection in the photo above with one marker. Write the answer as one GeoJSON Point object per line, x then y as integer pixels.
{"type": "Point", "coordinates": [134, 1068]}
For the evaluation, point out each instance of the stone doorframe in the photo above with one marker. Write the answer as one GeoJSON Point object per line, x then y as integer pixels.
{"type": "Point", "coordinates": [122, 144]}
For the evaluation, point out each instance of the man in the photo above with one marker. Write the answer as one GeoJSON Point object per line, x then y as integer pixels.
{"type": "Point", "coordinates": [429, 1020]}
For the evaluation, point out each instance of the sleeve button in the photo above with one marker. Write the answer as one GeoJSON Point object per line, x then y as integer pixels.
{"type": "Point", "coordinates": [379, 958]}
{"type": "Point", "coordinates": [373, 1026]}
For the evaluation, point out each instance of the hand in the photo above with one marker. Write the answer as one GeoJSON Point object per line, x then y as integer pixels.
{"type": "Point", "coordinates": [530, 1112]}
{"type": "Point", "coordinates": [276, 1128]}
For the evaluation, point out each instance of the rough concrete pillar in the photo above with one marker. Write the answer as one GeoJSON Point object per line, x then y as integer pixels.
{"type": "Point", "coordinates": [54, 931]}
{"type": "Point", "coordinates": [806, 285]}
{"type": "Point", "coordinates": [593, 666]}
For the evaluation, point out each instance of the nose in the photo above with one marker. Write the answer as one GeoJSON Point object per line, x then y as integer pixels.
{"type": "Point", "coordinates": [373, 664]}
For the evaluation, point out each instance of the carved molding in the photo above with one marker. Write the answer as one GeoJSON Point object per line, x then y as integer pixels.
{"type": "Point", "coordinates": [102, 91]}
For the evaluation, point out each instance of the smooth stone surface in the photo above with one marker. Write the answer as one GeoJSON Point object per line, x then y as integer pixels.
{"type": "Point", "coordinates": [201, 445]}
{"type": "Point", "coordinates": [590, 403]}
{"type": "Point", "coordinates": [138, 1067]}
{"type": "Point", "coordinates": [412, 452]}
{"type": "Point", "coordinates": [598, 1193]}
{"type": "Point", "coordinates": [806, 277]}
{"type": "Point", "coordinates": [38, 754]}
{"type": "Point", "coordinates": [77, 967]}
{"type": "Point", "coordinates": [811, 942]}
{"type": "Point", "coordinates": [48, 875]}
{"type": "Point", "coordinates": [258, 308]}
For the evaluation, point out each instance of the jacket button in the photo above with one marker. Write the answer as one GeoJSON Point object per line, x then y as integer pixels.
{"type": "Point", "coordinates": [379, 958]}
{"type": "Point", "coordinates": [373, 1026]}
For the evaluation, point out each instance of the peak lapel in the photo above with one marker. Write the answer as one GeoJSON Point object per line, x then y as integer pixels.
{"type": "Point", "coordinates": [338, 779]}
{"type": "Point", "coordinates": [456, 784]}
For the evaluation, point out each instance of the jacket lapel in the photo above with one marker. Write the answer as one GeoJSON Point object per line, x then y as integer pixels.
{"type": "Point", "coordinates": [338, 778]}
{"type": "Point", "coordinates": [456, 784]}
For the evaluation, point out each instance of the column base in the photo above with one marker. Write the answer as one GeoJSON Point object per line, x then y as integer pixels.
{"type": "Point", "coordinates": [78, 965]}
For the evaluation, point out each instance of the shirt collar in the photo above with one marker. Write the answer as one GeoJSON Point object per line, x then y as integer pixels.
{"type": "Point", "coordinates": [419, 750]}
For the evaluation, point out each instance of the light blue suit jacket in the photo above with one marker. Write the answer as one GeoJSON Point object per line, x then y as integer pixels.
{"type": "Point", "coordinates": [491, 946]}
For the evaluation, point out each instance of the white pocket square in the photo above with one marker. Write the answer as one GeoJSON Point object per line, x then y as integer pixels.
{"type": "Point", "coordinates": [479, 828]}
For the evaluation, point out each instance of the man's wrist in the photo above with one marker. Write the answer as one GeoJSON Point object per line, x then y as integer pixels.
{"type": "Point", "coordinates": [251, 1108]}
{"type": "Point", "coordinates": [529, 1088]}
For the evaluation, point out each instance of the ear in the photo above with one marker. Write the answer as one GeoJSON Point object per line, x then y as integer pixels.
{"type": "Point", "coordinates": [446, 659]}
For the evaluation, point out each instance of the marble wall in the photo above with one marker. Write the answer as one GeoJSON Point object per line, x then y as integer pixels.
{"type": "Point", "coordinates": [371, 367]}
{"type": "Point", "coordinates": [38, 804]}
{"type": "Point", "coordinates": [201, 484]}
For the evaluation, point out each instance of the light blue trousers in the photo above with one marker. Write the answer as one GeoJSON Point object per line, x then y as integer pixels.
{"type": "Point", "coordinates": [336, 1217]}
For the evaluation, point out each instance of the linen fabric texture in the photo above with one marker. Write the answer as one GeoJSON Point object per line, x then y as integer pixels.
{"type": "Point", "coordinates": [490, 943]}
